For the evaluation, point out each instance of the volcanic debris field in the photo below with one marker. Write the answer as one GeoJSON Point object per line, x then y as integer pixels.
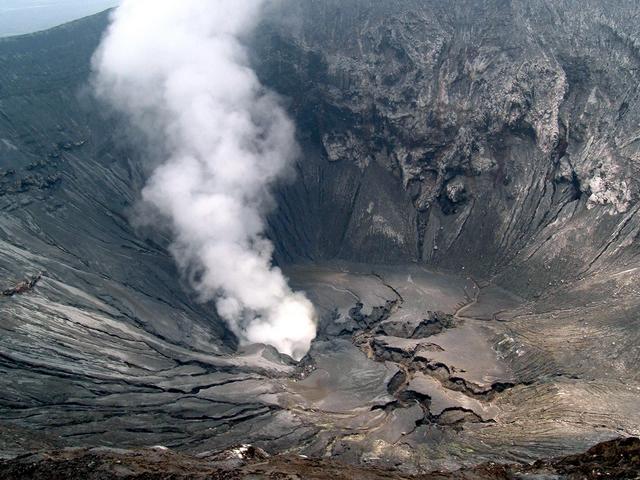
{"type": "Point", "coordinates": [464, 218]}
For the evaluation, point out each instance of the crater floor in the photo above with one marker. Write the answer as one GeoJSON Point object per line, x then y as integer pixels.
{"type": "Point", "coordinates": [411, 368]}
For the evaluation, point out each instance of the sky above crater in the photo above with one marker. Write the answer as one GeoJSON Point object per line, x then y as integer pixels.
{"type": "Point", "coordinates": [26, 16]}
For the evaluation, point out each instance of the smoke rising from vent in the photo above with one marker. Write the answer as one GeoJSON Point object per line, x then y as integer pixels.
{"type": "Point", "coordinates": [179, 71]}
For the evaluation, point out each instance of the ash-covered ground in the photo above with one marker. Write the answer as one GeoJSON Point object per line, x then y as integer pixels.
{"type": "Point", "coordinates": [411, 369]}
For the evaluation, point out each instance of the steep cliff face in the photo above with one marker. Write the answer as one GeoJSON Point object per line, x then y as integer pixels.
{"type": "Point", "coordinates": [498, 136]}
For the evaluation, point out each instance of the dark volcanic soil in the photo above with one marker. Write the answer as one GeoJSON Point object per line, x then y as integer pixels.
{"type": "Point", "coordinates": [616, 459]}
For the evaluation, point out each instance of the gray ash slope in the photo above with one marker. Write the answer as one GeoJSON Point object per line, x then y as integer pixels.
{"type": "Point", "coordinates": [496, 140]}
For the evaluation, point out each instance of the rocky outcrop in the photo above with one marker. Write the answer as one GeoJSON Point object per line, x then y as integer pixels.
{"type": "Point", "coordinates": [22, 286]}
{"type": "Point", "coordinates": [619, 459]}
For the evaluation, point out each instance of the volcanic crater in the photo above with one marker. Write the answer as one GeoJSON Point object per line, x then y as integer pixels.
{"type": "Point", "coordinates": [463, 217]}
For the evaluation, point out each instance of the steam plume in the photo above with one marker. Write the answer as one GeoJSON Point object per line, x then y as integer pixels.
{"type": "Point", "coordinates": [179, 71]}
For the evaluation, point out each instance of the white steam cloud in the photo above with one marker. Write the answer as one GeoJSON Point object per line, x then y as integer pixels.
{"type": "Point", "coordinates": [179, 71]}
